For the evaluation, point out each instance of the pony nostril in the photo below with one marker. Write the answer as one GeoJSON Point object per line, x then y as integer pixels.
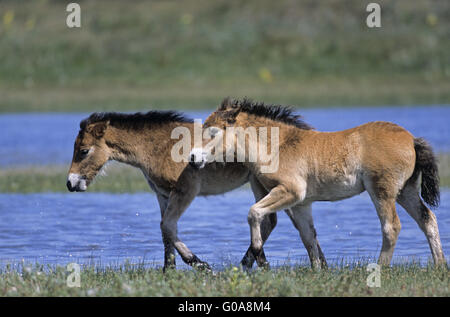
{"type": "Point", "coordinates": [192, 161]}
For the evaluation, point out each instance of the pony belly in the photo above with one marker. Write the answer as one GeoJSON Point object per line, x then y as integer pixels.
{"type": "Point", "coordinates": [335, 189]}
{"type": "Point", "coordinates": [222, 180]}
{"type": "Point", "coordinates": [220, 186]}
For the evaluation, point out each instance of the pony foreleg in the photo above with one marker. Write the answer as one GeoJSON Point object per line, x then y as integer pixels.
{"type": "Point", "coordinates": [268, 223]}
{"type": "Point", "coordinates": [179, 200]}
{"type": "Point", "coordinates": [169, 250]}
{"type": "Point", "coordinates": [301, 217]}
{"type": "Point", "coordinates": [169, 227]}
{"type": "Point", "coordinates": [278, 198]}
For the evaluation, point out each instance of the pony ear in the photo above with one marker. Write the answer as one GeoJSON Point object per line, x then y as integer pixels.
{"type": "Point", "coordinates": [98, 129]}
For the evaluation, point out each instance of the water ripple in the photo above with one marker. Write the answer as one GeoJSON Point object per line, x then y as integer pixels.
{"type": "Point", "coordinates": [105, 227]}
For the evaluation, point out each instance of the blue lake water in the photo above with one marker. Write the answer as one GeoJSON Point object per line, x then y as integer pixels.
{"type": "Point", "coordinates": [36, 139]}
{"type": "Point", "coordinates": [111, 228]}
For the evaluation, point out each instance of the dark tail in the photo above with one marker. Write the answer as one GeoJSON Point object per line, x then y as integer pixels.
{"type": "Point", "coordinates": [426, 163]}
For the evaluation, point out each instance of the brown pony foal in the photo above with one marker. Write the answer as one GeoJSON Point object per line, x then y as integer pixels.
{"type": "Point", "coordinates": [381, 158]}
{"type": "Point", "coordinates": [144, 140]}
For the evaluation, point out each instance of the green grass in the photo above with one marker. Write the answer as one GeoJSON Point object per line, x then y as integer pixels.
{"type": "Point", "coordinates": [444, 170]}
{"type": "Point", "coordinates": [304, 93]}
{"type": "Point", "coordinates": [119, 178]}
{"type": "Point", "coordinates": [136, 280]}
{"type": "Point", "coordinates": [191, 54]}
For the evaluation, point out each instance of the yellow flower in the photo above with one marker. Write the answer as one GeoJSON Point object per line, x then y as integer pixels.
{"type": "Point", "coordinates": [29, 25]}
{"type": "Point", "coordinates": [265, 75]}
{"type": "Point", "coordinates": [431, 19]}
{"type": "Point", "coordinates": [186, 19]}
{"type": "Point", "coordinates": [8, 18]}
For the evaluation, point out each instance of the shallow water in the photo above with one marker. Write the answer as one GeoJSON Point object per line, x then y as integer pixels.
{"type": "Point", "coordinates": [109, 229]}
{"type": "Point", "coordinates": [36, 139]}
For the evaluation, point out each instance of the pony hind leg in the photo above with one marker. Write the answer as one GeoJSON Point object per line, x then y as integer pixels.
{"type": "Point", "coordinates": [383, 195]}
{"type": "Point", "coordinates": [301, 217]}
{"type": "Point", "coordinates": [410, 200]}
{"type": "Point", "coordinates": [390, 228]}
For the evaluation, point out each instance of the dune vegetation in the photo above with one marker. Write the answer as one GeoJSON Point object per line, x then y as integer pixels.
{"type": "Point", "coordinates": [185, 55]}
{"type": "Point", "coordinates": [346, 279]}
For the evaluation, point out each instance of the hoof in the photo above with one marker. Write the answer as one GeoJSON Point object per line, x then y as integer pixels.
{"type": "Point", "coordinates": [246, 264]}
{"type": "Point", "coordinates": [198, 264]}
{"type": "Point", "coordinates": [202, 266]}
{"type": "Point", "coordinates": [168, 268]}
{"type": "Point", "coordinates": [264, 266]}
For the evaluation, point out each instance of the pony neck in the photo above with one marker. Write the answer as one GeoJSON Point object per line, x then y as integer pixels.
{"type": "Point", "coordinates": [139, 148]}
{"type": "Point", "coordinates": [148, 149]}
{"type": "Point", "coordinates": [126, 146]}
{"type": "Point", "coordinates": [275, 135]}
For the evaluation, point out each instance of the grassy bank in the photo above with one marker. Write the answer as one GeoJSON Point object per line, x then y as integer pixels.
{"type": "Point", "coordinates": [128, 280]}
{"type": "Point", "coordinates": [190, 54]}
{"type": "Point", "coordinates": [116, 179]}
{"type": "Point", "coordinates": [304, 93]}
{"type": "Point", "coordinates": [119, 178]}
{"type": "Point", "coordinates": [444, 169]}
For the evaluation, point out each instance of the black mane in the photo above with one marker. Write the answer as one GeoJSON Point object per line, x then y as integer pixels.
{"type": "Point", "coordinates": [278, 113]}
{"type": "Point", "coordinates": [134, 121]}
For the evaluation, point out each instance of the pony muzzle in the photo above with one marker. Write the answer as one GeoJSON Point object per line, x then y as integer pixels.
{"type": "Point", "coordinates": [197, 158]}
{"type": "Point", "coordinates": [76, 183]}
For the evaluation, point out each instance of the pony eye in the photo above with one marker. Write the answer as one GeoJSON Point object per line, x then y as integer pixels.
{"type": "Point", "coordinates": [84, 152]}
